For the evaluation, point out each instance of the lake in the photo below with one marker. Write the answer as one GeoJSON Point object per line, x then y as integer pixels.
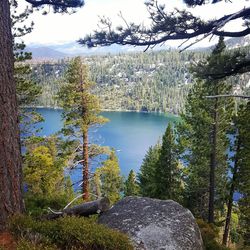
{"type": "Point", "coordinates": [129, 133]}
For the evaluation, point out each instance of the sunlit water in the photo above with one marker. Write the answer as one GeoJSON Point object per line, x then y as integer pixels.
{"type": "Point", "coordinates": [129, 133]}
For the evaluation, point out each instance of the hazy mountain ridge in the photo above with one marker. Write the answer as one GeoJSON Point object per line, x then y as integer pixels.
{"type": "Point", "coordinates": [71, 49]}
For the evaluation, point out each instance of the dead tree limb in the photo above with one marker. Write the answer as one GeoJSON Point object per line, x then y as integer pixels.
{"type": "Point", "coordinates": [84, 209]}
{"type": "Point", "coordinates": [230, 95]}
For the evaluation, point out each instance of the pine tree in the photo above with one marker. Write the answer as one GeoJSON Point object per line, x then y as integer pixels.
{"type": "Point", "coordinates": [168, 172]}
{"type": "Point", "coordinates": [243, 174]}
{"type": "Point", "coordinates": [108, 179]}
{"type": "Point", "coordinates": [10, 153]}
{"type": "Point", "coordinates": [146, 175]}
{"type": "Point", "coordinates": [208, 121]}
{"type": "Point", "coordinates": [131, 187]}
{"type": "Point", "coordinates": [80, 112]}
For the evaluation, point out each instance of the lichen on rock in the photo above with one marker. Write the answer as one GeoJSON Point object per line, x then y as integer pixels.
{"type": "Point", "coordinates": [154, 224]}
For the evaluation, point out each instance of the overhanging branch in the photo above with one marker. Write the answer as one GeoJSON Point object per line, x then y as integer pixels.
{"type": "Point", "coordinates": [229, 95]}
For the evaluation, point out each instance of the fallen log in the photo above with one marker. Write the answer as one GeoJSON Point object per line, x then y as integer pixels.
{"type": "Point", "coordinates": [84, 209]}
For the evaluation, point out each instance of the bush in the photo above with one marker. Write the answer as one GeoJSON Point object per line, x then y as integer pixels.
{"type": "Point", "coordinates": [28, 245]}
{"type": "Point", "coordinates": [209, 235]}
{"type": "Point", "coordinates": [69, 233]}
{"type": "Point", "coordinates": [38, 205]}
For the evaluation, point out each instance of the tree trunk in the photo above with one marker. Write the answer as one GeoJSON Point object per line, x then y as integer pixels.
{"type": "Point", "coordinates": [213, 163]}
{"type": "Point", "coordinates": [230, 201]}
{"type": "Point", "coordinates": [85, 169]}
{"type": "Point", "coordinates": [85, 209]}
{"type": "Point", "coordinates": [10, 154]}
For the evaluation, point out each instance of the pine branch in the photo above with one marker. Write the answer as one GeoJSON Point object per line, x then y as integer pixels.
{"type": "Point", "coordinates": [57, 3]}
{"type": "Point", "coordinates": [229, 95]}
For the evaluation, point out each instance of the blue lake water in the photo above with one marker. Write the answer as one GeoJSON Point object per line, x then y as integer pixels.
{"type": "Point", "coordinates": [129, 133]}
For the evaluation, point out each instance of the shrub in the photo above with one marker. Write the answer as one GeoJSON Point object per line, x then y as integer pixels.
{"type": "Point", "coordinates": [38, 205]}
{"type": "Point", "coordinates": [28, 245]}
{"type": "Point", "coordinates": [69, 233]}
{"type": "Point", "coordinates": [209, 235]}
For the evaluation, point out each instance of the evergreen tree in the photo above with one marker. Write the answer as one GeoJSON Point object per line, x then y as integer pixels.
{"type": "Point", "coordinates": [80, 112]}
{"type": "Point", "coordinates": [108, 180]}
{"type": "Point", "coordinates": [168, 172]}
{"type": "Point", "coordinates": [27, 93]}
{"type": "Point", "coordinates": [243, 174]}
{"type": "Point", "coordinates": [146, 176]}
{"type": "Point", "coordinates": [27, 90]}
{"type": "Point", "coordinates": [10, 155]}
{"type": "Point", "coordinates": [208, 121]}
{"type": "Point", "coordinates": [131, 187]}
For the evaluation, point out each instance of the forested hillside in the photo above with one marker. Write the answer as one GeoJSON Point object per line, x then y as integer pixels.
{"type": "Point", "coordinates": [151, 81]}
{"type": "Point", "coordinates": [155, 81]}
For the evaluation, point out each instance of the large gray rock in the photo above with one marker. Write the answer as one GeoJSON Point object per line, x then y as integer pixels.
{"type": "Point", "coordinates": [154, 224]}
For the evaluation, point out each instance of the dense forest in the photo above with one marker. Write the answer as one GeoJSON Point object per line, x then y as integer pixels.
{"type": "Point", "coordinates": [151, 81]}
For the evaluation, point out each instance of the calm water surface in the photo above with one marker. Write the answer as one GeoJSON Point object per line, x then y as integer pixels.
{"type": "Point", "coordinates": [130, 133]}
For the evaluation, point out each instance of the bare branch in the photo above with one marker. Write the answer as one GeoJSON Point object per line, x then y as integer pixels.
{"type": "Point", "coordinates": [229, 95]}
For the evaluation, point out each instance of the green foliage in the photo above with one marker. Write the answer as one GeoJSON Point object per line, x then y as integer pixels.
{"type": "Point", "coordinates": [209, 235]}
{"type": "Point", "coordinates": [108, 180]}
{"type": "Point", "coordinates": [80, 112]}
{"type": "Point", "coordinates": [151, 81]}
{"type": "Point", "coordinates": [155, 81]}
{"type": "Point", "coordinates": [168, 169]}
{"type": "Point", "coordinates": [37, 205]}
{"type": "Point", "coordinates": [80, 107]}
{"type": "Point", "coordinates": [146, 175]}
{"type": "Point", "coordinates": [44, 176]}
{"type": "Point", "coordinates": [40, 172]}
{"type": "Point", "coordinates": [207, 122]}
{"type": "Point", "coordinates": [160, 175]}
{"type": "Point", "coordinates": [26, 88]}
{"type": "Point", "coordinates": [69, 233]}
{"type": "Point", "coordinates": [24, 244]}
{"type": "Point", "coordinates": [243, 125]}
{"type": "Point", "coordinates": [131, 187]}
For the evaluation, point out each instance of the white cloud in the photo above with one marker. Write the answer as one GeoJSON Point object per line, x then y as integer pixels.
{"type": "Point", "coordinates": [58, 28]}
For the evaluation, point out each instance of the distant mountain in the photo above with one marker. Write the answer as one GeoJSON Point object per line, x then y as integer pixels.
{"type": "Point", "coordinates": [237, 42]}
{"type": "Point", "coordinates": [74, 49]}
{"type": "Point", "coordinates": [70, 49]}
{"type": "Point", "coordinates": [58, 51]}
{"type": "Point", "coordinates": [45, 53]}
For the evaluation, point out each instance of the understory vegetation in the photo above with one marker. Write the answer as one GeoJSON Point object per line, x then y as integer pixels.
{"type": "Point", "coordinates": [67, 233]}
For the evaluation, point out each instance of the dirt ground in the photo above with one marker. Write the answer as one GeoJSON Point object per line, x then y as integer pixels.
{"type": "Point", "coordinates": [7, 241]}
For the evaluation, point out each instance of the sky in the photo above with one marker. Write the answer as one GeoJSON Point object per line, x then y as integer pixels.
{"type": "Point", "coordinates": [62, 28]}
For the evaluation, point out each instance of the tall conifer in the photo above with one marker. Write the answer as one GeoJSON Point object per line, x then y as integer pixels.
{"type": "Point", "coordinates": [168, 172]}
{"type": "Point", "coordinates": [208, 121]}
{"type": "Point", "coordinates": [131, 186]}
{"type": "Point", "coordinates": [80, 112]}
{"type": "Point", "coordinates": [146, 175]}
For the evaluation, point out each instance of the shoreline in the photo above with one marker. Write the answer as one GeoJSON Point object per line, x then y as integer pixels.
{"type": "Point", "coordinates": [108, 110]}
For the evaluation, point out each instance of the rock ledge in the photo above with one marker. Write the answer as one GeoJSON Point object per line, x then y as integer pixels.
{"type": "Point", "coordinates": [154, 224]}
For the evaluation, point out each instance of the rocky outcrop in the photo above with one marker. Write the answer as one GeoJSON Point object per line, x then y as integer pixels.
{"type": "Point", "coordinates": [154, 224]}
